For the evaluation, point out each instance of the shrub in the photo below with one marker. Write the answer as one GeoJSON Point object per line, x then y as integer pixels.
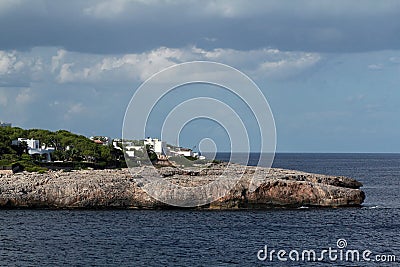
{"type": "Point", "coordinates": [36, 169]}
{"type": "Point", "coordinates": [5, 163]}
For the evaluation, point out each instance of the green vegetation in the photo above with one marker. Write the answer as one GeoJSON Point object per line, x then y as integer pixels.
{"type": "Point", "coordinates": [151, 154]}
{"type": "Point", "coordinates": [187, 161]}
{"type": "Point", "coordinates": [72, 150]}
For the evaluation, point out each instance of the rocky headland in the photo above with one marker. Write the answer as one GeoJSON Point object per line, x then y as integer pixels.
{"type": "Point", "coordinates": [96, 189]}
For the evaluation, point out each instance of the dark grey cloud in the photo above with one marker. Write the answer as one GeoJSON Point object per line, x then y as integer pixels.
{"type": "Point", "coordinates": [135, 26]}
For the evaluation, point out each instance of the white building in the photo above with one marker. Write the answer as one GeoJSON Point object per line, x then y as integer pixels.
{"type": "Point", "coordinates": [158, 146]}
{"type": "Point", "coordinates": [31, 143]}
{"type": "Point", "coordinates": [129, 146]}
{"type": "Point", "coordinates": [34, 147]}
{"type": "Point", "coordinates": [116, 144]}
{"type": "Point", "coordinates": [5, 124]}
{"type": "Point", "coordinates": [187, 152]}
{"type": "Point", "coordinates": [102, 140]}
{"type": "Point", "coordinates": [130, 153]}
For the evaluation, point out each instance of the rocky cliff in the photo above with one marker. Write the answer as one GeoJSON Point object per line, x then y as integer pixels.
{"type": "Point", "coordinates": [119, 189]}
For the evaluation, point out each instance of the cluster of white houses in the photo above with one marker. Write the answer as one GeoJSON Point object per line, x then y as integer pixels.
{"type": "Point", "coordinates": [161, 148]}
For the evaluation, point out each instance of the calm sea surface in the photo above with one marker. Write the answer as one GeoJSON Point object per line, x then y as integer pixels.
{"type": "Point", "coordinates": [218, 238]}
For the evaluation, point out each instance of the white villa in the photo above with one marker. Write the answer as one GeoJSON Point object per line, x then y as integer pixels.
{"type": "Point", "coordinates": [160, 147]}
{"type": "Point", "coordinates": [129, 147]}
{"type": "Point", "coordinates": [187, 152]}
{"type": "Point", "coordinates": [34, 147]}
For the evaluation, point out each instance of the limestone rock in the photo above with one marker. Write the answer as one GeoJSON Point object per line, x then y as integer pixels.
{"type": "Point", "coordinates": [120, 189]}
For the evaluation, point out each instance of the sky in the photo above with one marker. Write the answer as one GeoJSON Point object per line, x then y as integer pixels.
{"type": "Point", "coordinates": [330, 70]}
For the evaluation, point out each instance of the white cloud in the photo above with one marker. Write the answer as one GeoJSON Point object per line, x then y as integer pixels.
{"type": "Point", "coordinates": [271, 63]}
{"type": "Point", "coordinates": [76, 108]}
{"type": "Point", "coordinates": [395, 60]}
{"type": "Point", "coordinates": [21, 69]}
{"type": "Point", "coordinates": [9, 62]}
{"type": "Point", "coordinates": [106, 9]}
{"type": "Point", "coordinates": [291, 63]}
{"type": "Point", "coordinates": [375, 66]}
{"type": "Point", "coordinates": [261, 63]}
{"type": "Point", "coordinates": [129, 67]}
{"type": "Point", "coordinates": [66, 75]}
{"type": "Point", "coordinates": [55, 60]}
{"type": "Point", "coordinates": [18, 69]}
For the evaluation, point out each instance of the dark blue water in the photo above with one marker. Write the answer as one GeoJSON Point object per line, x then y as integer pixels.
{"type": "Point", "coordinates": [216, 238]}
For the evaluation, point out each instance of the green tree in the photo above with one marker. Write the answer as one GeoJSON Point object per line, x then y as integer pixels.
{"type": "Point", "coordinates": [151, 154]}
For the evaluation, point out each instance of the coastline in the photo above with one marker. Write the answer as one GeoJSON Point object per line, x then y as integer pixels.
{"type": "Point", "coordinates": [118, 189]}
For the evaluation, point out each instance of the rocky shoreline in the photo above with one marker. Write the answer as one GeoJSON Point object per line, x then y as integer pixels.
{"type": "Point", "coordinates": [119, 189]}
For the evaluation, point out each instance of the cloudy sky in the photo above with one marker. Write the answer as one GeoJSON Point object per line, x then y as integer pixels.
{"type": "Point", "coordinates": [329, 69]}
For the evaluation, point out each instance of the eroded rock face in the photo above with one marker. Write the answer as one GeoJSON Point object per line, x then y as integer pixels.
{"type": "Point", "coordinates": [119, 189]}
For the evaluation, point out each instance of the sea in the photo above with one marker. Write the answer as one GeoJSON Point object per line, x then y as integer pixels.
{"type": "Point", "coordinates": [358, 236]}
